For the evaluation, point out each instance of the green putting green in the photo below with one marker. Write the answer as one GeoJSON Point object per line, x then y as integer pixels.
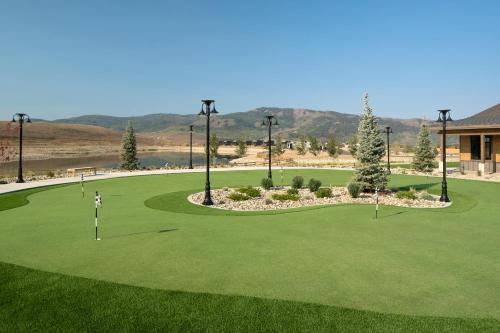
{"type": "Point", "coordinates": [426, 262]}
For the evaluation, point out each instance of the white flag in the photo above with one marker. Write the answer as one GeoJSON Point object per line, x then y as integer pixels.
{"type": "Point", "coordinates": [98, 200]}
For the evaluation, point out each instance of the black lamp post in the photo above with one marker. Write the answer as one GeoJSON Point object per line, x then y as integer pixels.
{"type": "Point", "coordinates": [206, 110]}
{"type": "Point", "coordinates": [20, 118]}
{"type": "Point", "coordinates": [444, 117]}
{"type": "Point", "coordinates": [190, 146]}
{"type": "Point", "coordinates": [269, 121]}
{"type": "Point", "coordinates": [388, 130]}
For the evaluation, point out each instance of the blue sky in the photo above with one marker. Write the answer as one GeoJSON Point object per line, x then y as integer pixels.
{"type": "Point", "coordinates": [67, 58]}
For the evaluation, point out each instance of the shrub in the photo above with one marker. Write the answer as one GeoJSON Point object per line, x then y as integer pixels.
{"type": "Point", "coordinates": [235, 196]}
{"type": "Point", "coordinates": [355, 189]}
{"type": "Point", "coordinates": [297, 182]}
{"type": "Point", "coordinates": [50, 174]}
{"type": "Point", "coordinates": [406, 195]}
{"type": "Point", "coordinates": [285, 197]}
{"type": "Point", "coordinates": [314, 185]}
{"type": "Point", "coordinates": [323, 192]}
{"type": "Point", "coordinates": [292, 191]}
{"type": "Point", "coordinates": [269, 201]}
{"type": "Point", "coordinates": [250, 191]}
{"type": "Point", "coordinates": [426, 196]}
{"type": "Point", "coordinates": [266, 183]}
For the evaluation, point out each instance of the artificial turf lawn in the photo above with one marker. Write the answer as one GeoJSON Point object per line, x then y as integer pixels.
{"type": "Point", "coordinates": [439, 262]}
{"type": "Point", "coordinates": [32, 300]}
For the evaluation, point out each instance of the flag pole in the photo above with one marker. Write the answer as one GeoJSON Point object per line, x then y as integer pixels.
{"type": "Point", "coordinates": [83, 190]}
{"type": "Point", "coordinates": [98, 202]}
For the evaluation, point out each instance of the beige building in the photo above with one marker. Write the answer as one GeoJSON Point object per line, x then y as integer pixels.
{"type": "Point", "coordinates": [479, 141]}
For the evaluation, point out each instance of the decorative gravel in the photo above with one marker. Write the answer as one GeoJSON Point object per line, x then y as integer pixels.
{"type": "Point", "coordinates": [339, 196]}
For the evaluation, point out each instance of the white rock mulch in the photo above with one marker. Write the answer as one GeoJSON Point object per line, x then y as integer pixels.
{"type": "Point", "coordinates": [339, 196]}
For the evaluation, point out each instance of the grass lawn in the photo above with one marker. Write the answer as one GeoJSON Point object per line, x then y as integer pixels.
{"type": "Point", "coordinates": [409, 165]}
{"type": "Point", "coordinates": [312, 269]}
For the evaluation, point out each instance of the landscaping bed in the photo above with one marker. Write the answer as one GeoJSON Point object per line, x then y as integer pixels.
{"type": "Point", "coordinates": [280, 198]}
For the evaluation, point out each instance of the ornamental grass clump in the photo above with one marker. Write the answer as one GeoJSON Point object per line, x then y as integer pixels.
{"type": "Point", "coordinates": [250, 191]}
{"type": "Point", "coordinates": [411, 195]}
{"type": "Point", "coordinates": [297, 182]}
{"type": "Point", "coordinates": [285, 197]}
{"type": "Point", "coordinates": [266, 183]}
{"type": "Point", "coordinates": [292, 191]}
{"type": "Point", "coordinates": [236, 196]}
{"type": "Point", "coordinates": [323, 192]}
{"type": "Point", "coordinates": [426, 196]}
{"type": "Point", "coordinates": [355, 189]}
{"type": "Point", "coordinates": [314, 185]}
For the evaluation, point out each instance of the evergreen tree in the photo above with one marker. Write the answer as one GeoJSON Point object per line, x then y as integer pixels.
{"type": "Point", "coordinates": [214, 147]}
{"type": "Point", "coordinates": [241, 151]}
{"type": "Point", "coordinates": [370, 151]}
{"type": "Point", "coordinates": [425, 155]}
{"type": "Point", "coordinates": [278, 148]}
{"type": "Point", "coordinates": [129, 149]}
{"type": "Point", "coordinates": [331, 146]}
{"type": "Point", "coordinates": [7, 151]}
{"type": "Point", "coordinates": [313, 145]}
{"type": "Point", "coordinates": [301, 147]}
{"type": "Point", "coordinates": [353, 145]}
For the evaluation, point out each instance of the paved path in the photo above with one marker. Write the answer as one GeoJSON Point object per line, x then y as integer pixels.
{"type": "Point", "coordinates": [12, 187]}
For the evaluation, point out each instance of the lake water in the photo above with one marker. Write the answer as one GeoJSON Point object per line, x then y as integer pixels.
{"type": "Point", "coordinates": [148, 160]}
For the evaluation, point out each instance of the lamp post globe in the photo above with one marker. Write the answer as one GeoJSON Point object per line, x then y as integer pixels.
{"type": "Point", "coordinates": [20, 118]}
{"type": "Point", "coordinates": [207, 108]}
{"type": "Point", "coordinates": [444, 117]}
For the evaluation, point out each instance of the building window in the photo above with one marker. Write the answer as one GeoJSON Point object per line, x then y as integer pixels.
{"type": "Point", "coordinates": [475, 147]}
{"type": "Point", "coordinates": [487, 147]}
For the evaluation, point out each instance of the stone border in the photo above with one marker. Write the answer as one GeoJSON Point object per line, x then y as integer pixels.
{"type": "Point", "coordinates": [307, 199]}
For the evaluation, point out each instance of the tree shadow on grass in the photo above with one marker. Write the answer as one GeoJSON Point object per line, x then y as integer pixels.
{"type": "Point", "coordinates": [142, 233]}
{"type": "Point", "coordinates": [383, 216]}
{"type": "Point", "coordinates": [418, 187]}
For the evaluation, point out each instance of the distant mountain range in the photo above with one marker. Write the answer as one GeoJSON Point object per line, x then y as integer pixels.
{"type": "Point", "coordinates": [292, 124]}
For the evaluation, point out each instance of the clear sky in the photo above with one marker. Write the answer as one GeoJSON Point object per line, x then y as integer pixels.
{"type": "Point", "coordinates": [67, 58]}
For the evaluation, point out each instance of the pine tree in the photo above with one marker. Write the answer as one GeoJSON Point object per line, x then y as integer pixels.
{"type": "Point", "coordinates": [425, 155]}
{"type": "Point", "coordinates": [301, 147]}
{"type": "Point", "coordinates": [331, 146]}
{"type": "Point", "coordinates": [241, 151]}
{"type": "Point", "coordinates": [129, 152]}
{"type": "Point", "coordinates": [370, 151]}
{"type": "Point", "coordinates": [278, 148]}
{"type": "Point", "coordinates": [214, 147]}
{"type": "Point", "coordinates": [313, 145]}
{"type": "Point", "coordinates": [353, 145]}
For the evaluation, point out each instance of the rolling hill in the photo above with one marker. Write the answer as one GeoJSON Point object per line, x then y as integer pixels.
{"type": "Point", "coordinates": [292, 123]}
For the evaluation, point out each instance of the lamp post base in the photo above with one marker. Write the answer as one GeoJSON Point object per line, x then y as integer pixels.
{"type": "Point", "coordinates": [207, 201]}
{"type": "Point", "coordinates": [444, 193]}
{"type": "Point", "coordinates": [208, 197]}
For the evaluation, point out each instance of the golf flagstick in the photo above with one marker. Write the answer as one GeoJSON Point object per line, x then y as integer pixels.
{"type": "Point", "coordinates": [281, 174]}
{"type": "Point", "coordinates": [83, 190]}
{"type": "Point", "coordinates": [98, 202]}
{"type": "Point", "coordinates": [376, 205]}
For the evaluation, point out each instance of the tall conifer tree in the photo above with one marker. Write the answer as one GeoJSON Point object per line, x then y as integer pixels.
{"type": "Point", "coordinates": [425, 155]}
{"type": "Point", "coordinates": [129, 152]}
{"type": "Point", "coordinates": [370, 151]}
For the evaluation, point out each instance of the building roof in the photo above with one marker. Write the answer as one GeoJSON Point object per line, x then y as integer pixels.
{"type": "Point", "coordinates": [488, 117]}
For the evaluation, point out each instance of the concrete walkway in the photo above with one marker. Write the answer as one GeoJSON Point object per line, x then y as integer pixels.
{"type": "Point", "coordinates": [12, 187]}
